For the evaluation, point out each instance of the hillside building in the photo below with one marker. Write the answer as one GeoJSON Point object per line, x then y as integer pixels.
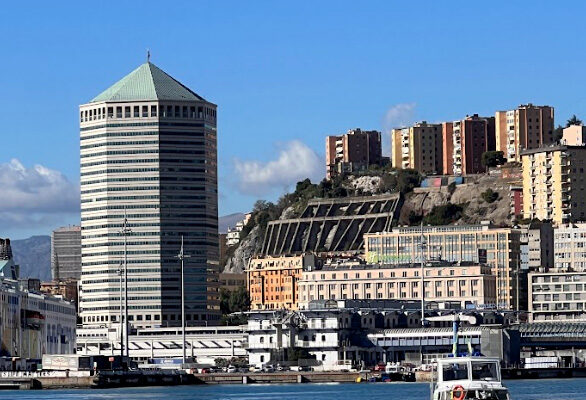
{"type": "Point", "coordinates": [464, 141]}
{"type": "Point", "coordinates": [353, 151]}
{"type": "Point", "coordinates": [524, 128]}
{"type": "Point", "coordinates": [418, 147]}
{"type": "Point", "coordinates": [554, 183]}
{"type": "Point", "coordinates": [574, 135]}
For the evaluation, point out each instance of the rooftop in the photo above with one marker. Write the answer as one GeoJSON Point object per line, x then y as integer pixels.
{"type": "Point", "coordinates": [147, 82]}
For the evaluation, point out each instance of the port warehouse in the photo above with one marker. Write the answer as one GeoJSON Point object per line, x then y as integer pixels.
{"type": "Point", "coordinates": [370, 335]}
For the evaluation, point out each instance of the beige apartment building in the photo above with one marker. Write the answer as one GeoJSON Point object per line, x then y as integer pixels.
{"type": "Point", "coordinates": [418, 147]}
{"type": "Point", "coordinates": [354, 151]}
{"type": "Point", "coordinates": [526, 127]}
{"type": "Point", "coordinates": [467, 282]}
{"type": "Point", "coordinates": [499, 248]}
{"type": "Point", "coordinates": [273, 281]}
{"type": "Point", "coordinates": [554, 184]}
{"type": "Point", "coordinates": [574, 135]}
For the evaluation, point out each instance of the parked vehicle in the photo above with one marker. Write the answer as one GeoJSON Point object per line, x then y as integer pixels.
{"type": "Point", "coordinates": [231, 369]}
{"type": "Point", "coordinates": [268, 368]}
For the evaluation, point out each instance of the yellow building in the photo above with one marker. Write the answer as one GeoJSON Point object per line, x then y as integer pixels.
{"type": "Point", "coordinates": [498, 248]}
{"type": "Point", "coordinates": [418, 147]}
{"type": "Point", "coordinates": [526, 127]}
{"type": "Point", "coordinates": [467, 283]}
{"type": "Point", "coordinates": [554, 184]}
{"type": "Point", "coordinates": [273, 281]}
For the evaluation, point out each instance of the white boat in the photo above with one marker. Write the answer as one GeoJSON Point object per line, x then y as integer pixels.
{"type": "Point", "coordinates": [470, 378]}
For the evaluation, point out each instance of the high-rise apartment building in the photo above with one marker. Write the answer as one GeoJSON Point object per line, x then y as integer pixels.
{"type": "Point", "coordinates": [149, 157]}
{"type": "Point", "coordinates": [354, 151]}
{"type": "Point", "coordinates": [66, 253]}
{"type": "Point", "coordinates": [497, 247]}
{"type": "Point", "coordinates": [554, 183]}
{"type": "Point", "coordinates": [526, 127]}
{"type": "Point", "coordinates": [463, 143]}
{"type": "Point", "coordinates": [418, 147]}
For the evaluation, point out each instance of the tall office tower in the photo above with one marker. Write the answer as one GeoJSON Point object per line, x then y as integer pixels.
{"type": "Point", "coordinates": [527, 127]}
{"type": "Point", "coordinates": [66, 253]}
{"type": "Point", "coordinates": [354, 151]}
{"type": "Point", "coordinates": [418, 147]}
{"type": "Point", "coordinates": [148, 152]}
{"type": "Point", "coordinates": [463, 143]}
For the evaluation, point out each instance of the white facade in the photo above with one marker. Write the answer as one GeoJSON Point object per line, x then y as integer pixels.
{"type": "Point", "coordinates": [33, 324]}
{"type": "Point", "coordinates": [205, 344]}
{"type": "Point", "coordinates": [557, 296]}
{"type": "Point", "coordinates": [570, 247]}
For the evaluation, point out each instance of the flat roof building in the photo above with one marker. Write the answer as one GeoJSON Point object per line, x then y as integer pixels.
{"type": "Point", "coordinates": [468, 283]}
{"type": "Point", "coordinates": [66, 253]}
{"type": "Point", "coordinates": [497, 247]}
{"type": "Point", "coordinates": [418, 147]}
{"type": "Point", "coordinates": [353, 151]}
{"type": "Point", "coordinates": [554, 183]}
{"type": "Point", "coordinates": [526, 127]}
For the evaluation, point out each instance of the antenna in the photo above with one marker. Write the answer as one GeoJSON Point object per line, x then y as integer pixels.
{"type": "Point", "coordinates": [148, 56]}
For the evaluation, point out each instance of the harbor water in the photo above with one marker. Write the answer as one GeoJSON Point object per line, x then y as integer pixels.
{"type": "Point", "coordinates": [547, 389]}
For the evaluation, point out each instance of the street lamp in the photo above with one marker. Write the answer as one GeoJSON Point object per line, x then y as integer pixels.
{"type": "Point", "coordinates": [120, 272]}
{"type": "Point", "coordinates": [124, 232]}
{"type": "Point", "coordinates": [181, 256]}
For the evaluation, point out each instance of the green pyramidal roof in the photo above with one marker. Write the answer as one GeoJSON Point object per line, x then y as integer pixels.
{"type": "Point", "coordinates": [147, 82]}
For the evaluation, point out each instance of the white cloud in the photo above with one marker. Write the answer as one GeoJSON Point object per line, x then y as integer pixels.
{"type": "Point", "coordinates": [399, 115]}
{"type": "Point", "coordinates": [295, 161]}
{"type": "Point", "coordinates": [34, 195]}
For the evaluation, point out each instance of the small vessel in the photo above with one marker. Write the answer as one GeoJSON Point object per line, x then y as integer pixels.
{"type": "Point", "coordinates": [474, 378]}
{"type": "Point", "coordinates": [470, 377]}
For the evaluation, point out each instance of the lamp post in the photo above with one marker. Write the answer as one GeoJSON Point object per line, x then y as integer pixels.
{"type": "Point", "coordinates": [120, 272]}
{"type": "Point", "coordinates": [124, 232]}
{"type": "Point", "coordinates": [421, 244]}
{"type": "Point", "coordinates": [182, 256]}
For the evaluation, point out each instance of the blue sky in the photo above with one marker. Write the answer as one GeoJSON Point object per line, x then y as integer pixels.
{"type": "Point", "coordinates": [284, 75]}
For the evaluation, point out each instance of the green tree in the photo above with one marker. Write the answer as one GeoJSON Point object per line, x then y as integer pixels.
{"type": "Point", "coordinates": [491, 159]}
{"type": "Point", "coordinates": [558, 133]}
{"type": "Point", "coordinates": [573, 121]}
{"type": "Point", "coordinates": [407, 179]}
{"type": "Point", "coordinates": [444, 215]}
{"type": "Point", "coordinates": [490, 196]}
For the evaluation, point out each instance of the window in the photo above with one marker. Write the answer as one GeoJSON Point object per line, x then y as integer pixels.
{"type": "Point", "coordinates": [153, 111]}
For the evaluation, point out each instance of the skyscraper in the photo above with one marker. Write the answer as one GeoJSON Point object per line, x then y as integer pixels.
{"type": "Point", "coordinates": [148, 152]}
{"type": "Point", "coordinates": [66, 253]}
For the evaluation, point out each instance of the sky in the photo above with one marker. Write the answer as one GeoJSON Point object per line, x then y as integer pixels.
{"type": "Point", "coordinates": [283, 74]}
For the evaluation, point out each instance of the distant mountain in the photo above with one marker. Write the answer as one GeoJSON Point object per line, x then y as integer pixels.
{"type": "Point", "coordinates": [34, 257]}
{"type": "Point", "coordinates": [229, 221]}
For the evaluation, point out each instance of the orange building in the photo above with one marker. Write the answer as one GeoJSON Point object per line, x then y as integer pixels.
{"type": "Point", "coordinates": [273, 281]}
{"type": "Point", "coordinates": [66, 288]}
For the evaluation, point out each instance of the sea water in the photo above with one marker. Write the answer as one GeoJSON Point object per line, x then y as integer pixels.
{"type": "Point", "coordinates": [546, 389]}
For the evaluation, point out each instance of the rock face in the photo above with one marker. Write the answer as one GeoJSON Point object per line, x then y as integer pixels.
{"type": "Point", "coordinates": [497, 212]}
{"type": "Point", "coordinates": [367, 184]}
{"type": "Point", "coordinates": [34, 257]}
{"type": "Point", "coordinates": [247, 247]}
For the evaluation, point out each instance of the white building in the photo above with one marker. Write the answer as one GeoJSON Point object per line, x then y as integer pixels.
{"type": "Point", "coordinates": [233, 235]}
{"type": "Point", "coordinates": [570, 247]}
{"type": "Point", "coordinates": [33, 324]}
{"type": "Point", "coordinates": [205, 344]}
{"type": "Point", "coordinates": [556, 296]}
{"type": "Point", "coordinates": [148, 153]}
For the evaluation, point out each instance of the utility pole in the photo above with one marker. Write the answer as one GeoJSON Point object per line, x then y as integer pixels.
{"type": "Point", "coordinates": [124, 232]}
{"type": "Point", "coordinates": [182, 256]}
